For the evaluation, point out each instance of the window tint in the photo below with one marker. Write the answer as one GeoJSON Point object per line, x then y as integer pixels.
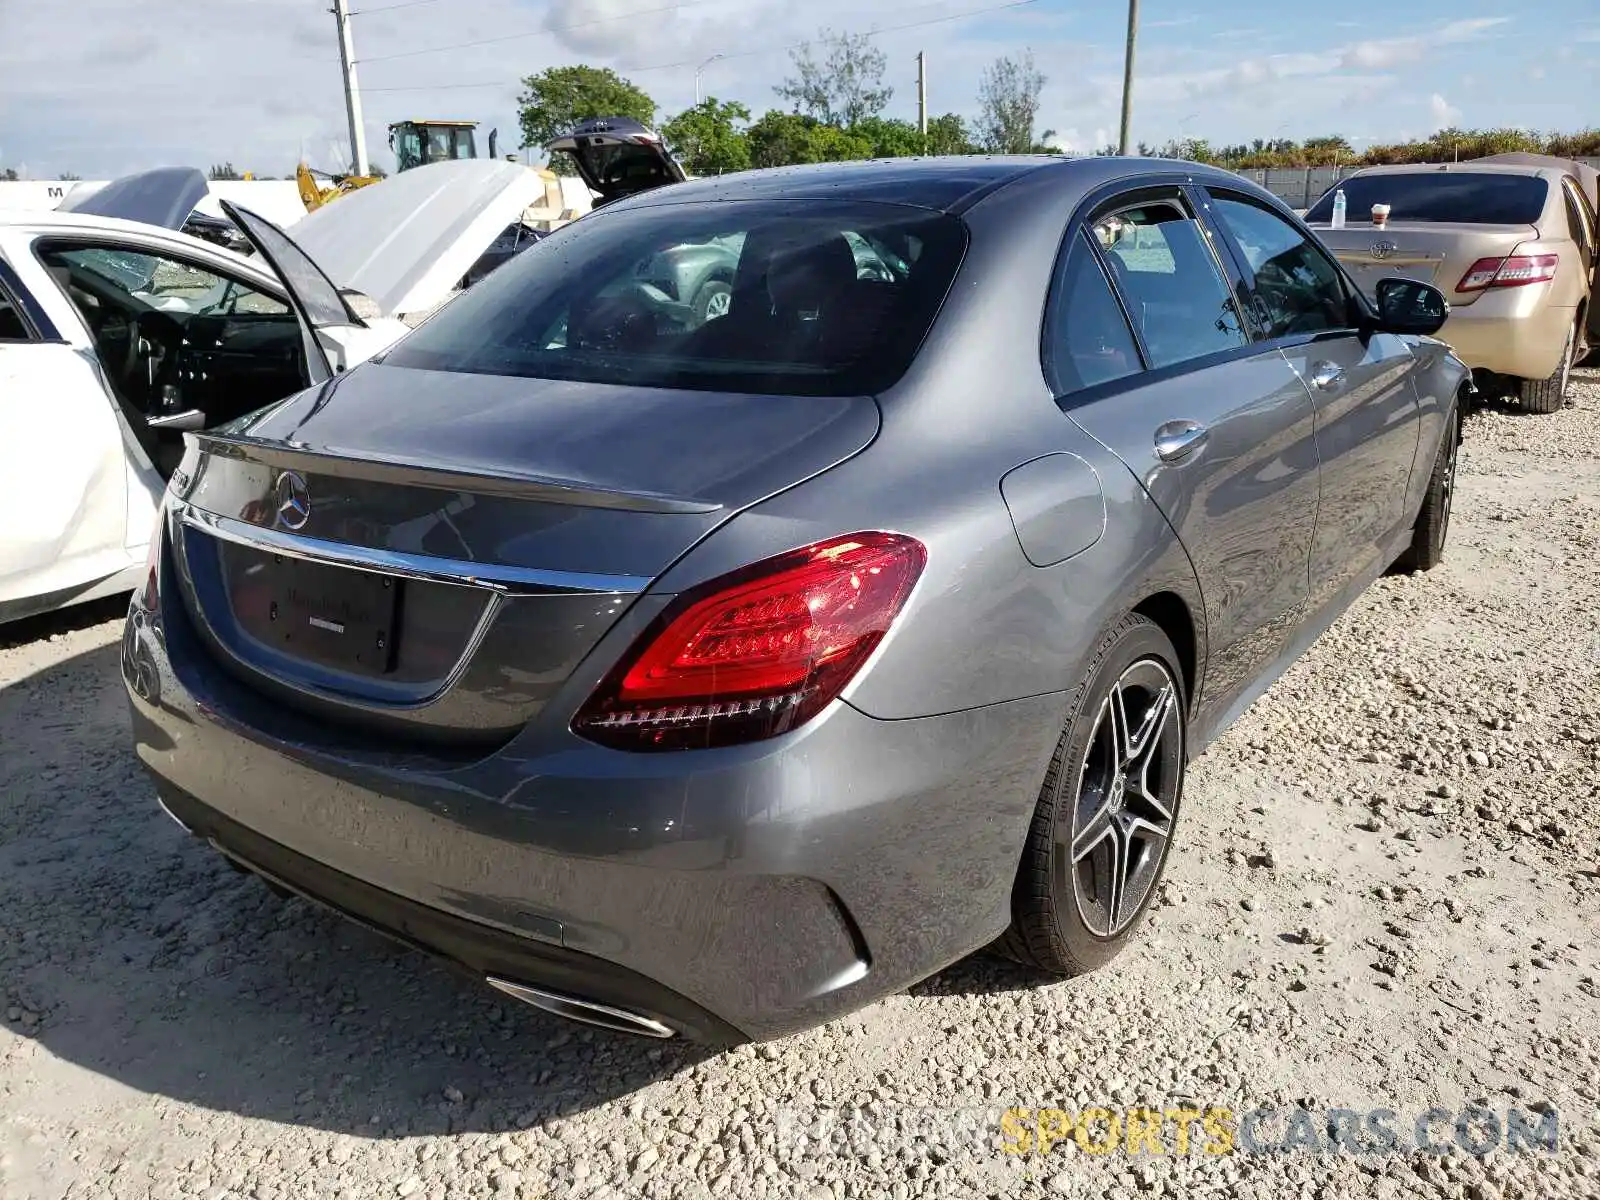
{"type": "Point", "coordinates": [1297, 289]}
{"type": "Point", "coordinates": [1164, 268]}
{"type": "Point", "coordinates": [1087, 340]}
{"type": "Point", "coordinates": [12, 327]}
{"type": "Point", "coordinates": [1463, 196]}
{"type": "Point", "coordinates": [824, 299]}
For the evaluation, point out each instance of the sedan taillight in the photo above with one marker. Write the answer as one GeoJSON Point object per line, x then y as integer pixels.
{"type": "Point", "coordinates": [759, 652]}
{"type": "Point", "coordinates": [1515, 271]}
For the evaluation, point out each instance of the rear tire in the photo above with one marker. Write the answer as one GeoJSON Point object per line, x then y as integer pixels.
{"type": "Point", "coordinates": [1433, 519]}
{"type": "Point", "coordinates": [1108, 811]}
{"type": "Point", "coordinates": [1548, 395]}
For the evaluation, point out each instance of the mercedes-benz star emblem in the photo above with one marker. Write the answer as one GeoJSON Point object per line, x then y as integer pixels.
{"type": "Point", "coordinates": [1383, 249]}
{"type": "Point", "coordinates": [294, 500]}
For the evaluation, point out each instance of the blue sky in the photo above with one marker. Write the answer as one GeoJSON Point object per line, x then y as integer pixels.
{"type": "Point", "coordinates": [90, 87]}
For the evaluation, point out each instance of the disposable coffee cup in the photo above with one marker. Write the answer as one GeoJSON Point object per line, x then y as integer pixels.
{"type": "Point", "coordinates": [1380, 215]}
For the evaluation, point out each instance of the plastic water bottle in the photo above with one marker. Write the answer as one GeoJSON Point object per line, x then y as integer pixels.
{"type": "Point", "coordinates": [1338, 209]}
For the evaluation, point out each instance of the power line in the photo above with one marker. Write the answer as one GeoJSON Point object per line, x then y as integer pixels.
{"type": "Point", "coordinates": [690, 62]}
{"type": "Point", "coordinates": [361, 12]}
{"type": "Point", "coordinates": [514, 37]}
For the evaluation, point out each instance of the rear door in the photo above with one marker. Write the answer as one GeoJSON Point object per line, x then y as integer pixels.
{"type": "Point", "coordinates": [1361, 383]}
{"type": "Point", "coordinates": [1585, 234]}
{"type": "Point", "coordinates": [1218, 430]}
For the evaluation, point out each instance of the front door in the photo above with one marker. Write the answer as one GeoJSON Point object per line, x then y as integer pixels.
{"type": "Point", "coordinates": [63, 475]}
{"type": "Point", "coordinates": [1361, 383]}
{"type": "Point", "coordinates": [1219, 431]}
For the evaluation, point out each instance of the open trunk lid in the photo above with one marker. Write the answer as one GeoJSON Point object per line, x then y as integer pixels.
{"type": "Point", "coordinates": [433, 555]}
{"type": "Point", "coordinates": [618, 157]}
{"type": "Point", "coordinates": [165, 196]}
{"type": "Point", "coordinates": [1440, 253]}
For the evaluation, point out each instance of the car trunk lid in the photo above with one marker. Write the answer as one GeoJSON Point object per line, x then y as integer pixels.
{"type": "Point", "coordinates": [1440, 253]}
{"type": "Point", "coordinates": [434, 554]}
{"type": "Point", "coordinates": [618, 157]}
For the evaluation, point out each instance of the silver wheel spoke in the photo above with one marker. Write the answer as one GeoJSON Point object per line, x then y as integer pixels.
{"type": "Point", "coordinates": [1119, 878]}
{"type": "Point", "coordinates": [1126, 799]}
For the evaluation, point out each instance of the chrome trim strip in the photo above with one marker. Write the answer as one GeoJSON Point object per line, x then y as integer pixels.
{"type": "Point", "coordinates": [619, 1020]}
{"type": "Point", "coordinates": [494, 577]}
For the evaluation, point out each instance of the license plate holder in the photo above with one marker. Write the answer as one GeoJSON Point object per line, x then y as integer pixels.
{"type": "Point", "coordinates": [331, 615]}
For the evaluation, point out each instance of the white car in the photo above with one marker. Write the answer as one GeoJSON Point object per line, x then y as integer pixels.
{"type": "Point", "coordinates": [118, 336]}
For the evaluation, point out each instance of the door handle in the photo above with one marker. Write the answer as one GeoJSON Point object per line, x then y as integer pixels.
{"type": "Point", "coordinates": [1326, 376]}
{"type": "Point", "coordinates": [1177, 440]}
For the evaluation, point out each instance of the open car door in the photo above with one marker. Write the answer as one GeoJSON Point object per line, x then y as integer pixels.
{"type": "Point", "coordinates": [618, 157]}
{"type": "Point", "coordinates": [323, 311]}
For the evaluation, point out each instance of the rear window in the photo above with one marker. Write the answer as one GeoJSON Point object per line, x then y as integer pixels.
{"type": "Point", "coordinates": [1474, 199]}
{"type": "Point", "coordinates": [777, 297]}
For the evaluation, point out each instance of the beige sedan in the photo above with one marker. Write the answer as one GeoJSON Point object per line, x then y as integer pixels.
{"type": "Point", "coordinates": [1512, 244]}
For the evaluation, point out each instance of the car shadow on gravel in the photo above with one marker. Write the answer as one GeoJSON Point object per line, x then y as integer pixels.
{"type": "Point", "coordinates": [135, 952]}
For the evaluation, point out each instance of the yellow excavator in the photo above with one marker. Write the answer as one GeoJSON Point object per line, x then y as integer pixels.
{"type": "Point", "coordinates": [415, 143]}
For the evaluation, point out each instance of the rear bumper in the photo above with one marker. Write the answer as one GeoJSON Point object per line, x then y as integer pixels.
{"type": "Point", "coordinates": [742, 893]}
{"type": "Point", "coordinates": [1510, 331]}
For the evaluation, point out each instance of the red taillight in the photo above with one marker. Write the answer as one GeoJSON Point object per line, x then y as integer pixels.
{"type": "Point", "coordinates": [759, 652]}
{"type": "Point", "coordinates": [1516, 271]}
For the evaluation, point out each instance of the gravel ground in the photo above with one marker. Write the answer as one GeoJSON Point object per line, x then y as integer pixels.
{"type": "Point", "coordinates": [1384, 897]}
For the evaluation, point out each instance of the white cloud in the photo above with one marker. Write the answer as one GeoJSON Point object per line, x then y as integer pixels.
{"type": "Point", "coordinates": [1536, 73]}
{"type": "Point", "coordinates": [1442, 114]}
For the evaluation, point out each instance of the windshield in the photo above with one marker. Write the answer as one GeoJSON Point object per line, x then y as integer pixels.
{"type": "Point", "coordinates": [1465, 197]}
{"type": "Point", "coordinates": [748, 296]}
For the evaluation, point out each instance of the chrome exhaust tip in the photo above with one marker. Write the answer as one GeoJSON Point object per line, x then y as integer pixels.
{"type": "Point", "coordinates": [618, 1020]}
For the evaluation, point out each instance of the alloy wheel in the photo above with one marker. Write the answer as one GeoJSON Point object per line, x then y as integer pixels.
{"type": "Point", "coordinates": [1447, 488]}
{"type": "Point", "coordinates": [1126, 801]}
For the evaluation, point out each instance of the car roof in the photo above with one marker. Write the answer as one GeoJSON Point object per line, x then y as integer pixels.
{"type": "Point", "coordinates": [946, 184]}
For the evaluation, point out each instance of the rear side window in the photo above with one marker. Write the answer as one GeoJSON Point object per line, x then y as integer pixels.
{"type": "Point", "coordinates": [1175, 292]}
{"type": "Point", "coordinates": [12, 327]}
{"type": "Point", "coordinates": [1474, 198]}
{"type": "Point", "coordinates": [1087, 340]}
{"type": "Point", "coordinates": [813, 299]}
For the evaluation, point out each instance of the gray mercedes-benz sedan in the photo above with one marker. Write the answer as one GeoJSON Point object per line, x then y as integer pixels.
{"type": "Point", "coordinates": [714, 674]}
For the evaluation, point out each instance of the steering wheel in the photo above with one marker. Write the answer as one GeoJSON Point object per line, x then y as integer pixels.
{"type": "Point", "coordinates": [164, 335]}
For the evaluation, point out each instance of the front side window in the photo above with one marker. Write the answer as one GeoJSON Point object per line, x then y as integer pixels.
{"type": "Point", "coordinates": [825, 299]}
{"type": "Point", "coordinates": [172, 335]}
{"type": "Point", "coordinates": [1087, 340]}
{"type": "Point", "coordinates": [1163, 266]}
{"type": "Point", "coordinates": [1297, 289]}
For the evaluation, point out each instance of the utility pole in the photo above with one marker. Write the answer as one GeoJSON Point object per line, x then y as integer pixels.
{"type": "Point", "coordinates": [1127, 77]}
{"type": "Point", "coordinates": [922, 97]}
{"type": "Point", "coordinates": [352, 90]}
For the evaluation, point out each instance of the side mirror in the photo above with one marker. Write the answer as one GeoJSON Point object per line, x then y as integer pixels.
{"type": "Point", "coordinates": [1409, 306]}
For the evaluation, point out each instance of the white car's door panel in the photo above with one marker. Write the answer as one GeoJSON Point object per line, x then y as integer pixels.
{"type": "Point", "coordinates": [63, 474]}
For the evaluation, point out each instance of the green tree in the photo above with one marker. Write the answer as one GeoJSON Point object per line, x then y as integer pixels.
{"type": "Point", "coordinates": [949, 135]}
{"type": "Point", "coordinates": [780, 139]}
{"type": "Point", "coordinates": [68, 177]}
{"type": "Point", "coordinates": [842, 87]}
{"type": "Point", "coordinates": [890, 137]}
{"type": "Point", "coordinates": [9, 175]}
{"type": "Point", "coordinates": [553, 101]}
{"type": "Point", "coordinates": [223, 171]}
{"type": "Point", "coordinates": [709, 139]}
{"type": "Point", "coordinates": [1008, 104]}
